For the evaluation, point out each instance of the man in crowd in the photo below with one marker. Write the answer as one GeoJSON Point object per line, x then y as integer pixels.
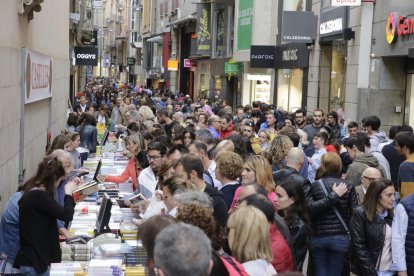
{"type": "Point", "coordinates": [116, 114]}
{"type": "Point", "coordinates": [82, 106]}
{"type": "Point", "coordinates": [183, 249]}
{"type": "Point", "coordinates": [164, 118]}
{"type": "Point", "coordinates": [334, 124]}
{"type": "Point", "coordinates": [147, 180]}
{"type": "Point", "coordinates": [313, 128]}
{"type": "Point", "coordinates": [190, 167]}
{"type": "Point", "coordinates": [405, 147]}
{"type": "Point", "coordinates": [369, 176]}
{"type": "Point", "coordinates": [226, 126]}
{"type": "Point", "coordinates": [371, 125]}
{"type": "Point", "coordinates": [214, 125]}
{"type": "Point", "coordinates": [300, 118]}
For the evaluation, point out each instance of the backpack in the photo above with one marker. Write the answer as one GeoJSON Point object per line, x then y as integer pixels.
{"type": "Point", "coordinates": [234, 268]}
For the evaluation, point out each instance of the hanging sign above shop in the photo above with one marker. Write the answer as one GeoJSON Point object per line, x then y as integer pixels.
{"type": "Point", "coordinates": [262, 56]}
{"type": "Point", "coordinates": [333, 22]}
{"type": "Point", "coordinates": [172, 65]}
{"type": "Point", "coordinates": [204, 29]}
{"type": "Point", "coordinates": [86, 56]}
{"type": "Point", "coordinates": [37, 74]}
{"type": "Point", "coordinates": [338, 3]}
{"type": "Point", "coordinates": [291, 56]}
{"type": "Point", "coordinates": [231, 67]}
{"type": "Point", "coordinates": [398, 26]}
{"type": "Point", "coordinates": [299, 26]}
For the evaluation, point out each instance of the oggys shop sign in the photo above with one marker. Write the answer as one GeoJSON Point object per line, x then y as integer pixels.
{"type": "Point", "coordinates": [398, 26]}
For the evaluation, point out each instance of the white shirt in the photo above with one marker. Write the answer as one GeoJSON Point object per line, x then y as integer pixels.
{"type": "Point", "coordinates": [399, 232]}
{"type": "Point", "coordinates": [212, 171]}
{"type": "Point", "coordinates": [147, 182]}
{"type": "Point", "coordinates": [259, 267]}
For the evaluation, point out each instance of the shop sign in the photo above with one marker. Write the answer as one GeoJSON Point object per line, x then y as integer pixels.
{"type": "Point", "coordinates": [221, 34]}
{"type": "Point", "coordinates": [172, 65]}
{"type": "Point", "coordinates": [262, 56]}
{"type": "Point", "coordinates": [339, 3]}
{"type": "Point", "coordinates": [333, 22]}
{"type": "Point", "coordinates": [187, 63]}
{"type": "Point", "coordinates": [299, 26]}
{"type": "Point", "coordinates": [204, 29]}
{"type": "Point", "coordinates": [291, 56]}
{"type": "Point", "coordinates": [37, 74]}
{"type": "Point", "coordinates": [86, 56]}
{"type": "Point", "coordinates": [131, 61]}
{"type": "Point", "coordinates": [398, 26]}
{"type": "Point", "coordinates": [231, 67]}
{"type": "Point", "coordinates": [244, 25]}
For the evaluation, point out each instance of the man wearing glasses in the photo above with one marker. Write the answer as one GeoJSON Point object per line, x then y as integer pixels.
{"type": "Point", "coordinates": [368, 177]}
{"type": "Point", "coordinates": [147, 180]}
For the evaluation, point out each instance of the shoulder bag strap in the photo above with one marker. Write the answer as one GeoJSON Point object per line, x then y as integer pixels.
{"type": "Point", "coordinates": [341, 219]}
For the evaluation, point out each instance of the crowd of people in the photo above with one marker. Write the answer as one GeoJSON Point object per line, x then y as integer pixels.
{"type": "Point", "coordinates": [251, 191]}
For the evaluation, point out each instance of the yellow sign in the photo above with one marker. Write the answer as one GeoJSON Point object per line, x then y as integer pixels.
{"type": "Point", "coordinates": [172, 65]}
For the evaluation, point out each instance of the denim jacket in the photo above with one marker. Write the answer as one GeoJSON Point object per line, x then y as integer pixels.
{"type": "Point", "coordinates": [9, 228]}
{"type": "Point", "coordinates": [88, 137]}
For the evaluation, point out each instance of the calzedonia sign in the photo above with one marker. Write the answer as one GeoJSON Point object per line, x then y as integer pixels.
{"type": "Point", "coordinates": [398, 26]}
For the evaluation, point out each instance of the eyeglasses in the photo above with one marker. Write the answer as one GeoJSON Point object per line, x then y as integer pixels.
{"type": "Point", "coordinates": [149, 157]}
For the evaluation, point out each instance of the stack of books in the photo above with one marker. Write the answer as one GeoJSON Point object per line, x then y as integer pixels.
{"type": "Point", "coordinates": [67, 269]}
{"type": "Point", "coordinates": [76, 252]}
{"type": "Point", "coordinates": [110, 266]}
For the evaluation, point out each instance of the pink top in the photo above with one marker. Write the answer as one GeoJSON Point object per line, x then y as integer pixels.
{"type": "Point", "coordinates": [130, 171]}
{"type": "Point", "coordinates": [271, 196]}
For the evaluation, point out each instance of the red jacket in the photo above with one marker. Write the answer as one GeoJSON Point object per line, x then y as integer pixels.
{"type": "Point", "coordinates": [226, 133]}
{"type": "Point", "coordinates": [130, 171]}
{"type": "Point", "coordinates": [282, 256]}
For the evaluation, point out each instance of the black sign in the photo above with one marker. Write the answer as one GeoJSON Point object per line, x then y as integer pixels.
{"type": "Point", "coordinates": [86, 56]}
{"type": "Point", "coordinates": [299, 26]}
{"type": "Point", "coordinates": [333, 21]}
{"type": "Point", "coordinates": [204, 29]}
{"type": "Point", "coordinates": [291, 56]}
{"type": "Point", "coordinates": [221, 34]}
{"type": "Point", "coordinates": [262, 56]}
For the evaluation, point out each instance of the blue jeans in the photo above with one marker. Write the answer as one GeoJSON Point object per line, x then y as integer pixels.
{"type": "Point", "coordinates": [30, 271]}
{"type": "Point", "coordinates": [329, 254]}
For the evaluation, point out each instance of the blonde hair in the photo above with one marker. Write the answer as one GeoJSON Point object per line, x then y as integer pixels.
{"type": "Point", "coordinates": [225, 145]}
{"type": "Point", "coordinates": [229, 164]}
{"type": "Point", "coordinates": [137, 139]}
{"type": "Point", "coordinates": [263, 170]}
{"type": "Point", "coordinates": [251, 239]}
{"type": "Point", "coordinates": [279, 149]}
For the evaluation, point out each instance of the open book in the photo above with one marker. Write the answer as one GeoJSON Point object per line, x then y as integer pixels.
{"type": "Point", "coordinates": [134, 200]}
{"type": "Point", "coordinates": [84, 190]}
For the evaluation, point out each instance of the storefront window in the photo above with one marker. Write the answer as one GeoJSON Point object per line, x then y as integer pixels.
{"type": "Point", "coordinates": [260, 87]}
{"type": "Point", "coordinates": [332, 76]}
{"type": "Point", "coordinates": [294, 5]}
{"type": "Point", "coordinates": [289, 91]}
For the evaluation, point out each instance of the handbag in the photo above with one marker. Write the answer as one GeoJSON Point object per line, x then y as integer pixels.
{"type": "Point", "coordinates": [341, 219]}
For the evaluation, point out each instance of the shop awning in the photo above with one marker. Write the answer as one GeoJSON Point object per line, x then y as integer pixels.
{"type": "Point", "coordinates": [157, 39]}
{"type": "Point", "coordinates": [183, 20]}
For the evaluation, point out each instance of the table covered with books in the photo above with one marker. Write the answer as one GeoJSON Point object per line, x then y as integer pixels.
{"type": "Point", "coordinates": [104, 237]}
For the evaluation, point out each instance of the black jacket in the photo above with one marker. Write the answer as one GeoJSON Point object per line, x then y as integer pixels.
{"type": "Point", "coordinates": [323, 217]}
{"type": "Point", "coordinates": [367, 241]}
{"type": "Point", "coordinates": [286, 172]}
{"type": "Point", "coordinates": [219, 206]}
{"type": "Point", "coordinates": [300, 238]}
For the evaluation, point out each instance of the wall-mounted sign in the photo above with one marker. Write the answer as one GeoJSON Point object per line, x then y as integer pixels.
{"type": "Point", "coordinates": [244, 25]}
{"type": "Point", "coordinates": [131, 61]}
{"type": "Point", "coordinates": [86, 56]}
{"type": "Point", "coordinates": [398, 26]}
{"type": "Point", "coordinates": [299, 26]}
{"type": "Point", "coordinates": [172, 65]}
{"type": "Point", "coordinates": [338, 3]}
{"type": "Point", "coordinates": [187, 63]}
{"type": "Point", "coordinates": [333, 22]}
{"type": "Point", "coordinates": [231, 67]}
{"type": "Point", "coordinates": [291, 56]}
{"type": "Point", "coordinates": [204, 29]}
{"type": "Point", "coordinates": [37, 74]}
{"type": "Point", "coordinates": [262, 56]}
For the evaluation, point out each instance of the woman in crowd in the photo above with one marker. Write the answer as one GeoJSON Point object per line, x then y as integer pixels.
{"type": "Point", "coordinates": [60, 142]}
{"type": "Point", "coordinates": [177, 134]}
{"type": "Point", "coordinates": [229, 166]}
{"type": "Point", "coordinates": [147, 117]}
{"type": "Point", "coordinates": [331, 144]}
{"type": "Point", "coordinates": [189, 136]}
{"type": "Point", "coordinates": [170, 187]}
{"type": "Point", "coordinates": [371, 231]}
{"type": "Point", "coordinates": [102, 116]}
{"type": "Point", "coordinates": [135, 145]}
{"type": "Point", "coordinates": [202, 217]}
{"type": "Point", "coordinates": [72, 122]}
{"type": "Point", "coordinates": [330, 240]}
{"type": "Point", "coordinates": [264, 139]}
{"type": "Point", "coordinates": [147, 234]}
{"type": "Point", "coordinates": [88, 132]}
{"type": "Point", "coordinates": [257, 169]}
{"type": "Point", "coordinates": [202, 120]}
{"type": "Point", "coordinates": [38, 210]}
{"type": "Point", "coordinates": [290, 201]}
{"type": "Point", "coordinates": [279, 149]}
{"type": "Point", "coordinates": [249, 240]}
{"type": "Point", "coordinates": [75, 155]}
